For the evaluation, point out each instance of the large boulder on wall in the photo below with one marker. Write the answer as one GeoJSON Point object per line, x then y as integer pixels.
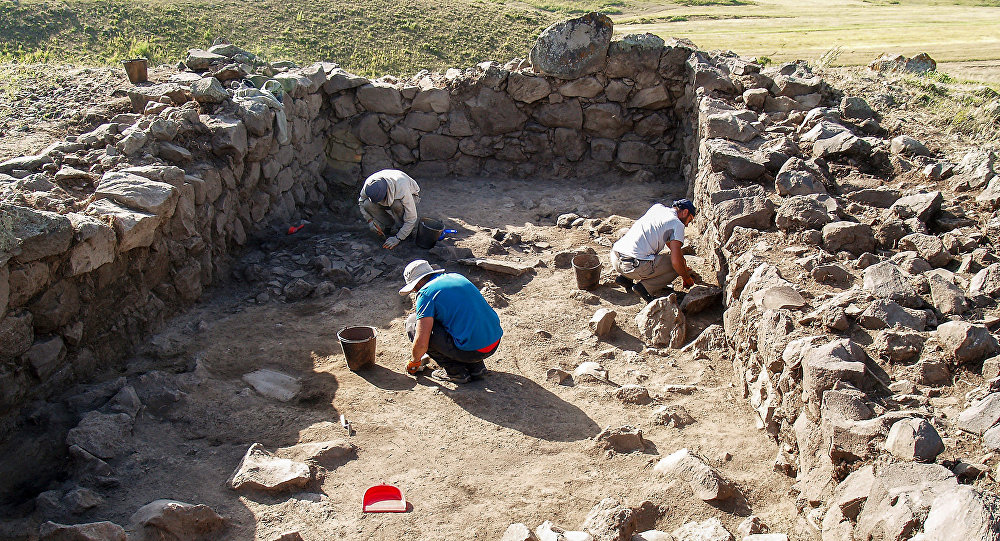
{"type": "Point", "coordinates": [573, 48]}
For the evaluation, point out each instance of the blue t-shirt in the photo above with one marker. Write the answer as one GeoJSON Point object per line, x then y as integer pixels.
{"type": "Point", "coordinates": [452, 300]}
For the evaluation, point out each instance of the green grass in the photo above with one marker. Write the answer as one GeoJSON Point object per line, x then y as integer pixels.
{"type": "Point", "coordinates": [967, 108]}
{"type": "Point", "coordinates": [370, 37]}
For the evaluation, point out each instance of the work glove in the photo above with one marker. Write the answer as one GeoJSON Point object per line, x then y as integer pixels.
{"type": "Point", "coordinates": [390, 243]}
{"type": "Point", "coordinates": [375, 228]}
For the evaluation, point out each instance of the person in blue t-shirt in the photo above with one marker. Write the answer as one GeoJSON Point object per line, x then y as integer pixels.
{"type": "Point", "coordinates": [452, 323]}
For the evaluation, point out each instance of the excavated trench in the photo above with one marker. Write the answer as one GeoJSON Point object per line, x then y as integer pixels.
{"type": "Point", "coordinates": [453, 450]}
{"type": "Point", "coordinates": [152, 285]}
{"type": "Point", "coordinates": [134, 320]}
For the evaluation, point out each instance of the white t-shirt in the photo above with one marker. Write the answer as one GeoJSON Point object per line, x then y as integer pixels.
{"type": "Point", "coordinates": [651, 233]}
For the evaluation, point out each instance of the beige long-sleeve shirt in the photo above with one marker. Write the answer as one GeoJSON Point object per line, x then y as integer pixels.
{"type": "Point", "coordinates": [402, 188]}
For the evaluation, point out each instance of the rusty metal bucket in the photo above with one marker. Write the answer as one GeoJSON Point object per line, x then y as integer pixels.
{"type": "Point", "coordinates": [136, 70]}
{"type": "Point", "coordinates": [359, 345]}
{"type": "Point", "coordinates": [588, 271]}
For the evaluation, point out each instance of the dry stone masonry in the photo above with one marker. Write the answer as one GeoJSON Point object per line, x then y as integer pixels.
{"type": "Point", "coordinates": [109, 232]}
{"type": "Point", "coordinates": [886, 274]}
{"type": "Point", "coordinates": [894, 262]}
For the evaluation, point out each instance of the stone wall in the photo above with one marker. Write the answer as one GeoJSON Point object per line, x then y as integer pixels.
{"type": "Point", "coordinates": [108, 233]}
{"type": "Point", "coordinates": [506, 121]}
{"type": "Point", "coordinates": [854, 272]}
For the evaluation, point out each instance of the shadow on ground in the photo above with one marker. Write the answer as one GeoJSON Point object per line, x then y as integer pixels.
{"type": "Point", "coordinates": [516, 402]}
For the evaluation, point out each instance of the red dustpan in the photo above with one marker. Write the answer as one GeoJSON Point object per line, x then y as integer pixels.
{"type": "Point", "coordinates": [383, 499]}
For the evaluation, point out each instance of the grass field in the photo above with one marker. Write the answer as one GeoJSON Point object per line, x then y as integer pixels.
{"type": "Point", "coordinates": [374, 37]}
{"type": "Point", "coordinates": [367, 36]}
{"type": "Point", "coordinates": [843, 32]}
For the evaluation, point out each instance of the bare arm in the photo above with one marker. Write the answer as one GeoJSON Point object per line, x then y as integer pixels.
{"type": "Point", "coordinates": [423, 337]}
{"type": "Point", "coordinates": [677, 260]}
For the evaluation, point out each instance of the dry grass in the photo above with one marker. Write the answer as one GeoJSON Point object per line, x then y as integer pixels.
{"type": "Point", "coordinates": [954, 112]}
{"type": "Point", "coordinates": [784, 30]}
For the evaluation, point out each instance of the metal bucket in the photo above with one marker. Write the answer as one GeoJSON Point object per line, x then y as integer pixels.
{"type": "Point", "coordinates": [136, 70]}
{"type": "Point", "coordinates": [359, 345]}
{"type": "Point", "coordinates": [588, 271]}
{"type": "Point", "coordinates": [428, 232]}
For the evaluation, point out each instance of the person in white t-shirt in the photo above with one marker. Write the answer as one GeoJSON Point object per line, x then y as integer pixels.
{"type": "Point", "coordinates": [637, 258]}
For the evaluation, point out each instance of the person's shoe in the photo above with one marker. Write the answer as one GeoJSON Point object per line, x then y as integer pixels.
{"type": "Point", "coordinates": [478, 374]}
{"type": "Point", "coordinates": [442, 375]}
{"type": "Point", "coordinates": [624, 282]}
{"type": "Point", "coordinates": [641, 290]}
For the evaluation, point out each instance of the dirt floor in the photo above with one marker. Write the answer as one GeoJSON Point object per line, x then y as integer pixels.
{"type": "Point", "coordinates": [472, 459]}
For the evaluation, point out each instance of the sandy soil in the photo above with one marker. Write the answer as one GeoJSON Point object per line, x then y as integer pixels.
{"type": "Point", "coordinates": [471, 459]}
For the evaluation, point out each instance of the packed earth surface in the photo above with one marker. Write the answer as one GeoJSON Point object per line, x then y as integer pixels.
{"type": "Point", "coordinates": [244, 407]}
{"type": "Point", "coordinates": [471, 459]}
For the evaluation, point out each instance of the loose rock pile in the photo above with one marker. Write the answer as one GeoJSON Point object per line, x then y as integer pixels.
{"type": "Point", "coordinates": [840, 347]}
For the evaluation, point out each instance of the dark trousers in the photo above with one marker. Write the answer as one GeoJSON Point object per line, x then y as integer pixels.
{"type": "Point", "coordinates": [441, 348]}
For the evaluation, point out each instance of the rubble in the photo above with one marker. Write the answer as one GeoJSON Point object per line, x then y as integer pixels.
{"type": "Point", "coordinates": [602, 322]}
{"type": "Point", "coordinates": [170, 519]}
{"type": "Point", "coordinates": [705, 481]}
{"type": "Point", "coordinates": [661, 323]}
{"type": "Point", "coordinates": [261, 470]}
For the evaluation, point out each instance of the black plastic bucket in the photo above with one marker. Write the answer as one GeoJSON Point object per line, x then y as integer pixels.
{"type": "Point", "coordinates": [588, 271]}
{"type": "Point", "coordinates": [359, 345]}
{"type": "Point", "coordinates": [428, 231]}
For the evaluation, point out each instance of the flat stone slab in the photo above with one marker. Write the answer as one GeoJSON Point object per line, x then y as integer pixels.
{"type": "Point", "coordinates": [139, 193]}
{"type": "Point", "coordinates": [105, 531]}
{"type": "Point", "coordinates": [982, 416]}
{"type": "Point", "coordinates": [103, 435]}
{"type": "Point", "coordinates": [273, 384]}
{"type": "Point", "coordinates": [779, 297]}
{"type": "Point", "coordinates": [325, 453]}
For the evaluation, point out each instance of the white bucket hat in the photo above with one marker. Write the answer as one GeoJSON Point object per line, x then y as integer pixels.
{"type": "Point", "coordinates": [414, 272]}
